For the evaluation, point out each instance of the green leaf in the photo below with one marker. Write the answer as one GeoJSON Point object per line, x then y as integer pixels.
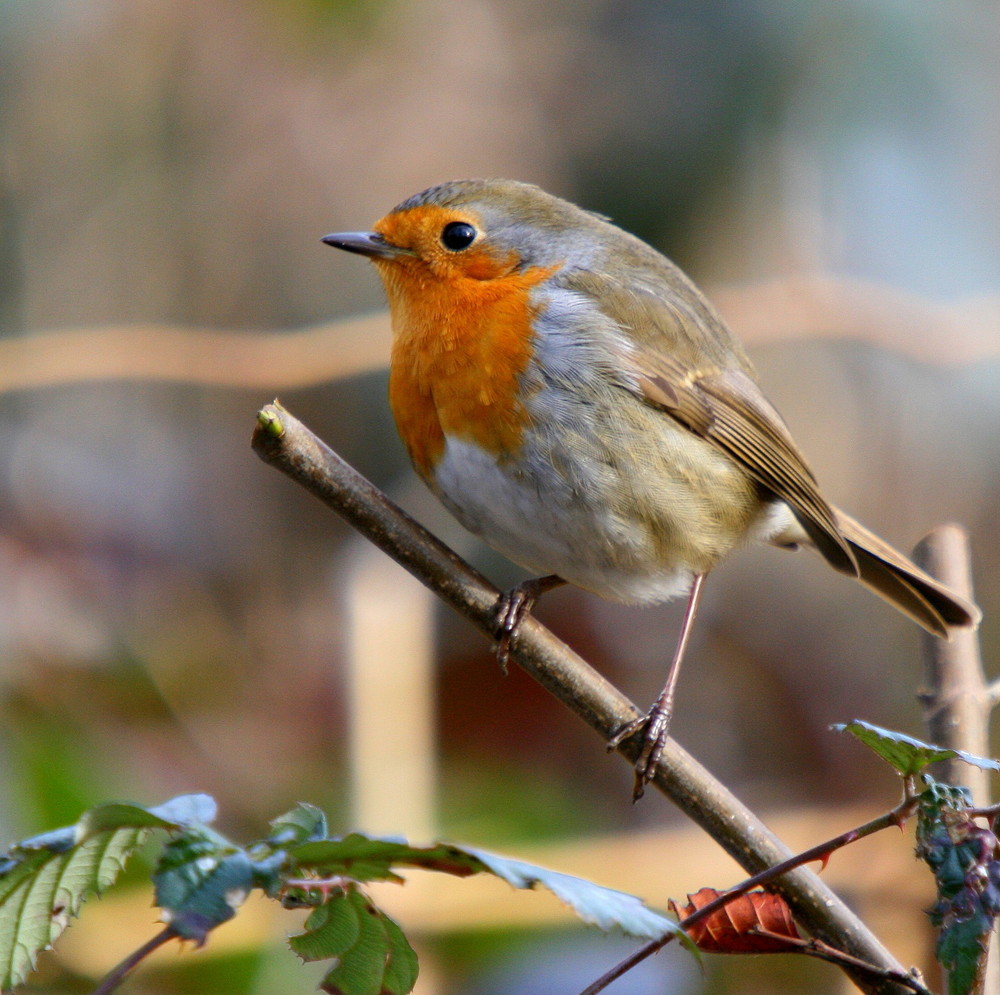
{"type": "Point", "coordinates": [43, 882]}
{"type": "Point", "coordinates": [402, 967]}
{"type": "Point", "coordinates": [361, 968]}
{"type": "Point", "coordinates": [361, 858]}
{"type": "Point", "coordinates": [331, 929]}
{"type": "Point", "coordinates": [54, 841]}
{"type": "Point", "coordinates": [45, 879]}
{"type": "Point", "coordinates": [302, 823]}
{"type": "Point", "coordinates": [179, 812]}
{"type": "Point", "coordinates": [201, 880]}
{"type": "Point", "coordinates": [959, 950]}
{"type": "Point", "coordinates": [594, 904]}
{"type": "Point", "coordinates": [188, 810]}
{"type": "Point", "coordinates": [908, 755]}
{"type": "Point", "coordinates": [373, 956]}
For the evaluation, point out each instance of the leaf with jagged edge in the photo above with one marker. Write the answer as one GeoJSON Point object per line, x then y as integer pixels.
{"type": "Point", "coordinates": [361, 858]}
{"type": "Point", "coordinates": [401, 965]}
{"type": "Point", "coordinates": [330, 930]}
{"type": "Point", "coordinates": [304, 822]}
{"type": "Point", "coordinates": [45, 879]}
{"type": "Point", "coordinates": [908, 755]}
{"type": "Point", "coordinates": [372, 955]}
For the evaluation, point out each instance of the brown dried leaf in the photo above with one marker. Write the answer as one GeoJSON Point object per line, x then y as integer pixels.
{"type": "Point", "coordinates": [733, 928]}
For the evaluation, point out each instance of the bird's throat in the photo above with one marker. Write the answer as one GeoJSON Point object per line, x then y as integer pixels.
{"type": "Point", "coordinates": [460, 348]}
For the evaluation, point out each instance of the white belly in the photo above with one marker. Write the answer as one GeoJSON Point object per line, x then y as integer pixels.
{"type": "Point", "coordinates": [571, 527]}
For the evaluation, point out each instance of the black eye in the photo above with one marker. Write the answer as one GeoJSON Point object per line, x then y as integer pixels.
{"type": "Point", "coordinates": [458, 235]}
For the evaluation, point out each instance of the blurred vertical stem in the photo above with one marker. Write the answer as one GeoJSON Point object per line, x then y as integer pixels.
{"type": "Point", "coordinates": [956, 698]}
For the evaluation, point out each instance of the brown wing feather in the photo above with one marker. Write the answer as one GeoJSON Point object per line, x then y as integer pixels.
{"type": "Point", "coordinates": [902, 583]}
{"type": "Point", "coordinates": [712, 392]}
{"type": "Point", "coordinates": [728, 409]}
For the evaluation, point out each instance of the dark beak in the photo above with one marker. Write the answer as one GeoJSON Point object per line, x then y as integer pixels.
{"type": "Point", "coordinates": [365, 243]}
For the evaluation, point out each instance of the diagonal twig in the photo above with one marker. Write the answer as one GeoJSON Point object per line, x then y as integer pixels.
{"type": "Point", "coordinates": [822, 851]}
{"type": "Point", "coordinates": [284, 442]}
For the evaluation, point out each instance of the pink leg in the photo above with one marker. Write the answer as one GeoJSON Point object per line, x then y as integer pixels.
{"type": "Point", "coordinates": [657, 722]}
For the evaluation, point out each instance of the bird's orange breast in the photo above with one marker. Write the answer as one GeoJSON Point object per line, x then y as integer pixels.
{"type": "Point", "coordinates": [460, 346]}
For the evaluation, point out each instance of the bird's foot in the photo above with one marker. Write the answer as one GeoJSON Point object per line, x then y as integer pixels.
{"type": "Point", "coordinates": [512, 608]}
{"type": "Point", "coordinates": [655, 728]}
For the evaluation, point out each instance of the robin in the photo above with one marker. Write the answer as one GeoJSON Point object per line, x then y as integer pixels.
{"type": "Point", "coordinates": [572, 398]}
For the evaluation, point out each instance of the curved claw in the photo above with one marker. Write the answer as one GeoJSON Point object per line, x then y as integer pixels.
{"type": "Point", "coordinates": [513, 606]}
{"type": "Point", "coordinates": [656, 726]}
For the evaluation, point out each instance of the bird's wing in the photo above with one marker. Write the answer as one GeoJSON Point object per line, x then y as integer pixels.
{"type": "Point", "coordinates": [683, 360]}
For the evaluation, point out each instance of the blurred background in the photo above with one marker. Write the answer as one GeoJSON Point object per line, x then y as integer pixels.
{"type": "Point", "coordinates": [177, 616]}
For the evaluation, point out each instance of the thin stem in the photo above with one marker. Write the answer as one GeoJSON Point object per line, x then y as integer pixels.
{"type": "Point", "coordinates": [822, 851]}
{"type": "Point", "coordinates": [118, 973]}
{"type": "Point", "coordinates": [817, 948]}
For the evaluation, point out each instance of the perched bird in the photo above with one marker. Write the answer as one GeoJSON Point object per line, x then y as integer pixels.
{"type": "Point", "coordinates": [573, 398]}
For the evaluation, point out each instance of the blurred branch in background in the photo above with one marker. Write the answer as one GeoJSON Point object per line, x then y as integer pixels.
{"type": "Point", "coordinates": [819, 307]}
{"type": "Point", "coordinates": [198, 356]}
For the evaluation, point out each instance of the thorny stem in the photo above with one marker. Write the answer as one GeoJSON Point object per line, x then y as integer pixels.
{"type": "Point", "coordinates": [817, 948]}
{"type": "Point", "coordinates": [822, 851]}
{"type": "Point", "coordinates": [118, 973]}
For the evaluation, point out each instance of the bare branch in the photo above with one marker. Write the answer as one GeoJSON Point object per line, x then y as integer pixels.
{"type": "Point", "coordinates": [285, 443]}
{"type": "Point", "coordinates": [956, 699]}
{"type": "Point", "coordinates": [791, 308]}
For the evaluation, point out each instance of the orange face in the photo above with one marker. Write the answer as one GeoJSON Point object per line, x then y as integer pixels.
{"type": "Point", "coordinates": [421, 230]}
{"type": "Point", "coordinates": [463, 329]}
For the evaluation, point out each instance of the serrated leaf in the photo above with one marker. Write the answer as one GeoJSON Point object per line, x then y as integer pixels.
{"type": "Point", "coordinates": [378, 962]}
{"type": "Point", "coordinates": [594, 904]}
{"type": "Point", "coordinates": [362, 858]}
{"type": "Point", "coordinates": [908, 755]}
{"type": "Point", "coordinates": [402, 969]}
{"type": "Point", "coordinates": [302, 823]}
{"type": "Point", "coordinates": [201, 880]}
{"type": "Point", "coordinates": [179, 812]}
{"type": "Point", "coordinates": [736, 927]}
{"type": "Point", "coordinates": [42, 886]}
{"type": "Point", "coordinates": [361, 969]}
{"type": "Point", "coordinates": [329, 931]}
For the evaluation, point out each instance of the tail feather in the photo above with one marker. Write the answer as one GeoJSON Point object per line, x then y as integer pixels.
{"type": "Point", "coordinates": [903, 584]}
